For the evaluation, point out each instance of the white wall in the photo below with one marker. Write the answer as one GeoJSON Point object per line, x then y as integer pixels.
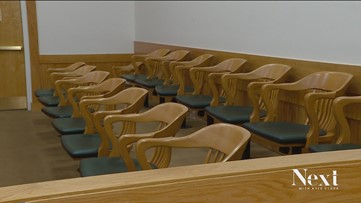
{"type": "Point", "coordinates": [85, 27]}
{"type": "Point", "coordinates": [321, 31]}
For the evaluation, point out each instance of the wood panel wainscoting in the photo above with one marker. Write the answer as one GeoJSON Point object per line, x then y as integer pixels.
{"type": "Point", "coordinates": [103, 62]}
{"type": "Point", "coordinates": [335, 177]}
{"type": "Point", "coordinates": [300, 68]}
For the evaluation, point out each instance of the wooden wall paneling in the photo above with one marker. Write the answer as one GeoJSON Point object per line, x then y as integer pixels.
{"type": "Point", "coordinates": [254, 180]}
{"type": "Point", "coordinates": [300, 68]}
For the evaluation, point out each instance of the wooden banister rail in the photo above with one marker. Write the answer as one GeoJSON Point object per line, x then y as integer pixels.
{"type": "Point", "coordinates": [330, 176]}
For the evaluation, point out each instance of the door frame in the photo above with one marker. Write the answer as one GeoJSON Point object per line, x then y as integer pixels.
{"type": "Point", "coordinates": [26, 54]}
{"type": "Point", "coordinates": [31, 47]}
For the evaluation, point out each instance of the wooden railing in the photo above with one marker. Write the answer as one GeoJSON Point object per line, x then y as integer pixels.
{"type": "Point", "coordinates": [321, 177]}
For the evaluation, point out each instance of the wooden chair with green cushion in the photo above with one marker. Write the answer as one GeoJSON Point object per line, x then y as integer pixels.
{"type": "Point", "coordinates": [168, 90]}
{"type": "Point", "coordinates": [154, 66]}
{"type": "Point", "coordinates": [76, 124]}
{"type": "Point", "coordinates": [51, 91]}
{"type": "Point", "coordinates": [94, 141]}
{"type": "Point", "coordinates": [169, 116]}
{"type": "Point", "coordinates": [343, 141]}
{"type": "Point", "coordinates": [238, 107]}
{"type": "Point", "coordinates": [136, 68]}
{"type": "Point", "coordinates": [226, 142]}
{"type": "Point", "coordinates": [105, 89]}
{"type": "Point", "coordinates": [299, 114]}
{"type": "Point", "coordinates": [54, 100]}
{"type": "Point", "coordinates": [201, 97]}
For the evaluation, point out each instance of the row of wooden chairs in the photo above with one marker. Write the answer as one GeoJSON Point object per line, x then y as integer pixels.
{"type": "Point", "coordinates": [260, 100]}
{"type": "Point", "coordinates": [255, 101]}
{"type": "Point", "coordinates": [98, 104]}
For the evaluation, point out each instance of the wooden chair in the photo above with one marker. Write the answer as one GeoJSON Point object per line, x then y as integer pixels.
{"type": "Point", "coordinates": [136, 68]}
{"type": "Point", "coordinates": [154, 73]}
{"type": "Point", "coordinates": [76, 125]}
{"type": "Point", "coordinates": [168, 90]}
{"type": "Point", "coordinates": [54, 100]}
{"type": "Point", "coordinates": [237, 108]}
{"type": "Point", "coordinates": [105, 89]}
{"type": "Point", "coordinates": [287, 130]}
{"type": "Point", "coordinates": [226, 142]}
{"type": "Point", "coordinates": [168, 115]}
{"type": "Point", "coordinates": [51, 91]}
{"type": "Point", "coordinates": [202, 95]}
{"type": "Point", "coordinates": [343, 141]}
{"type": "Point", "coordinates": [94, 141]}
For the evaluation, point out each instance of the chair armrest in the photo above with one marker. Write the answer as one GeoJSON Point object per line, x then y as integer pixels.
{"type": "Point", "coordinates": [124, 142]}
{"type": "Point", "coordinates": [213, 78]}
{"type": "Point", "coordinates": [144, 144]}
{"type": "Point", "coordinates": [312, 107]}
{"type": "Point", "coordinates": [338, 108]}
{"type": "Point", "coordinates": [120, 70]}
{"type": "Point", "coordinates": [254, 93]}
{"type": "Point", "coordinates": [179, 70]}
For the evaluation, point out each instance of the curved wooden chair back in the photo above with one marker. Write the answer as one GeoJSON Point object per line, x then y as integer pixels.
{"type": "Point", "coordinates": [315, 94]}
{"type": "Point", "coordinates": [244, 88]}
{"type": "Point", "coordinates": [201, 76]}
{"type": "Point", "coordinates": [127, 101]}
{"type": "Point", "coordinates": [70, 68]}
{"type": "Point", "coordinates": [183, 67]}
{"type": "Point", "coordinates": [104, 89]}
{"type": "Point", "coordinates": [169, 116]}
{"type": "Point", "coordinates": [343, 139]}
{"type": "Point", "coordinates": [340, 105]}
{"type": "Point", "coordinates": [88, 79]}
{"type": "Point", "coordinates": [226, 142]}
{"type": "Point", "coordinates": [137, 62]}
{"type": "Point", "coordinates": [73, 74]}
{"type": "Point", "coordinates": [158, 53]}
{"type": "Point", "coordinates": [154, 64]}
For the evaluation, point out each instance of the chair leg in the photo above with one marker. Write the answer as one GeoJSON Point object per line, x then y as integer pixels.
{"type": "Point", "coordinates": [247, 151]}
{"type": "Point", "coordinates": [161, 100]}
{"type": "Point", "coordinates": [210, 120]}
{"type": "Point", "coordinates": [184, 124]}
{"type": "Point", "coordinates": [146, 103]}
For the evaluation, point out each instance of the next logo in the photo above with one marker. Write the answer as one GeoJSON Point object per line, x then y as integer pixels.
{"type": "Point", "coordinates": [314, 179]}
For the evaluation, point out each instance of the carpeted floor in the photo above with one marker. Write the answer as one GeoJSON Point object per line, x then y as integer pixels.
{"type": "Point", "coordinates": [31, 150]}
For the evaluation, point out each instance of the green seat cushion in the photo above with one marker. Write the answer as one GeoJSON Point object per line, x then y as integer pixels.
{"type": "Point", "coordinates": [58, 111]}
{"type": "Point", "coordinates": [196, 101]}
{"type": "Point", "coordinates": [170, 90]}
{"type": "Point", "coordinates": [281, 132]}
{"type": "Point", "coordinates": [104, 165]}
{"type": "Point", "coordinates": [151, 83]}
{"type": "Point", "coordinates": [67, 126]}
{"type": "Point", "coordinates": [133, 77]}
{"type": "Point", "coordinates": [232, 114]}
{"type": "Point", "coordinates": [332, 147]}
{"type": "Point", "coordinates": [44, 92]}
{"type": "Point", "coordinates": [49, 100]}
{"type": "Point", "coordinates": [81, 145]}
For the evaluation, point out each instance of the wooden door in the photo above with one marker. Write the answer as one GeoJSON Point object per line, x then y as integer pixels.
{"type": "Point", "coordinates": [12, 66]}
